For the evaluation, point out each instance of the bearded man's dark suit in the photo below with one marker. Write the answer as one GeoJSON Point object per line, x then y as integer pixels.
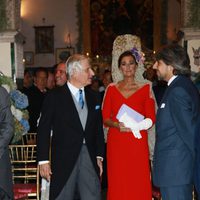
{"type": "Point", "coordinates": [60, 114]}
{"type": "Point", "coordinates": [6, 133]}
{"type": "Point", "coordinates": [176, 128]}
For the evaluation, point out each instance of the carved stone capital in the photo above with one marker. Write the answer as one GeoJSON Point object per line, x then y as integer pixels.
{"type": "Point", "coordinates": [12, 36]}
{"type": "Point", "coordinates": [191, 33]}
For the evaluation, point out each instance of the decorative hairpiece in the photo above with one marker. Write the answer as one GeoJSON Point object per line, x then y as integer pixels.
{"type": "Point", "coordinates": [138, 55]}
{"type": "Point", "coordinates": [124, 43]}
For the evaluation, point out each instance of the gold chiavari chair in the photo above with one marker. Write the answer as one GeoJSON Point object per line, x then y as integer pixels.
{"type": "Point", "coordinates": [25, 172]}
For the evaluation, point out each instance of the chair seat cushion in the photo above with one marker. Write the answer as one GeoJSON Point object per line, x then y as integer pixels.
{"type": "Point", "coordinates": [20, 196]}
{"type": "Point", "coordinates": [25, 188]}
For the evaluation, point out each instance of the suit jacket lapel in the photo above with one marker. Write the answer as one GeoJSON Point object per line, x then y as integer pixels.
{"type": "Point", "coordinates": [168, 89]}
{"type": "Point", "coordinates": [89, 106]}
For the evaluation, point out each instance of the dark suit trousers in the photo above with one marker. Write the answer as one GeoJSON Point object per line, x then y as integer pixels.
{"type": "Point", "coordinates": [84, 177]}
{"type": "Point", "coordinates": [182, 192]}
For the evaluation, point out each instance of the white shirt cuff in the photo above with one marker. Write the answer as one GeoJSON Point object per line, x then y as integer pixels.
{"type": "Point", "coordinates": [100, 158]}
{"type": "Point", "coordinates": [43, 162]}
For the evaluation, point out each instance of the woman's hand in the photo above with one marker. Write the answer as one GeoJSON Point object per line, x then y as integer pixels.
{"type": "Point", "coordinates": [122, 127]}
{"type": "Point", "coordinates": [118, 125]}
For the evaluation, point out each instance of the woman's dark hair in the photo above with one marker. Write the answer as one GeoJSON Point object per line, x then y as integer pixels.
{"type": "Point", "coordinates": [177, 57]}
{"type": "Point", "coordinates": [124, 54]}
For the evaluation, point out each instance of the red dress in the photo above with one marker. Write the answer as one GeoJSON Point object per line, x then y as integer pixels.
{"type": "Point", "coordinates": [128, 157]}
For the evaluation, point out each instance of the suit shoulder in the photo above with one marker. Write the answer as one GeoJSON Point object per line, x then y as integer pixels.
{"type": "Point", "coordinates": [4, 96]}
{"type": "Point", "coordinates": [3, 91]}
{"type": "Point", "coordinates": [186, 84]}
{"type": "Point", "coordinates": [183, 81]}
{"type": "Point", "coordinates": [184, 93]}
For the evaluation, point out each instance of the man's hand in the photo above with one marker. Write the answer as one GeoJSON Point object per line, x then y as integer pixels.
{"type": "Point", "coordinates": [100, 165]}
{"type": "Point", "coordinates": [45, 171]}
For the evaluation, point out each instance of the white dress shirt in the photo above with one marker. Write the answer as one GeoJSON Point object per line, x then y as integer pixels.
{"type": "Point", "coordinates": [75, 91]}
{"type": "Point", "coordinates": [171, 79]}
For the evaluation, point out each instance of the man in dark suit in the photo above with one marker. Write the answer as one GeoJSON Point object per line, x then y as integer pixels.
{"type": "Point", "coordinates": [36, 95]}
{"type": "Point", "coordinates": [27, 81]}
{"type": "Point", "coordinates": [6, 133]}
{"type": "Point", "coordinates": [177, 118]}
{"type": "Point", "coordinates": [77, 143]}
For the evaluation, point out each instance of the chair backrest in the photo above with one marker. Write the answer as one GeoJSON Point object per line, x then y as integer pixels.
{"type": "Point", "coordinates": [29, 138]}
{"type": "Point", "coordinates": [24, 166]}
{"type": "Point", "coordinates": [23, 159]}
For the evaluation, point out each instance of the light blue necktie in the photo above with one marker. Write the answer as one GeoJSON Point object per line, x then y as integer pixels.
{"type": "Point", "coordinates": [80, 100]}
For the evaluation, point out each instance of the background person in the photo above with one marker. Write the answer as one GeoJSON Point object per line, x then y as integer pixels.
{"type": "Point", "coordinates": [36, 95]}
{"type": "Point", "coordinates": [60, 74]}
{"type": "Point", "coordinates": [27, 81]}
{"type": "Point", "coordinates": [77, 142]}
{"type": "Point", "coordinates": [176, 125]}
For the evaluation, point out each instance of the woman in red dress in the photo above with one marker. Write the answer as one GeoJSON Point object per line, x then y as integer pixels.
{"type": "Point", "coordinates": [127, 156]}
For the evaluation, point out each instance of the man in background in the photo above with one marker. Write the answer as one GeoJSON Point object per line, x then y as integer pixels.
{"type": "Point", "coordinates": [60, 74]}
{"type": "Point", "coordinates": [6, 133]}
{"type": "Point", "coordinates": [36, 95]}
{"type": "Point", "coordinates": [27, 81]}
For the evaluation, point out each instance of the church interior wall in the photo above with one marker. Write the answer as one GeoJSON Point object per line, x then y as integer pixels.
{"type": "Point", "coordinates": [60, 13]}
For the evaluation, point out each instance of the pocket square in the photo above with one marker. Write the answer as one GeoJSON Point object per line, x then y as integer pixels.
{"type": "Point", "coordinates": [97, 107]}
{"type": "Point", "coordinates": [162, 105]}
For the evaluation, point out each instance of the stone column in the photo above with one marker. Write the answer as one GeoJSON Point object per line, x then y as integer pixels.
{"type": "Point", "coordinates": [190, 15]}
{"type": "Point", "coordinates": [10, 15]}
{"type": "Point", "coordinates": [11, 40]}
{"type": "Point", "coordinates": [191, 27]}
{"type": "Point", "coordinates": [11, 48]}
